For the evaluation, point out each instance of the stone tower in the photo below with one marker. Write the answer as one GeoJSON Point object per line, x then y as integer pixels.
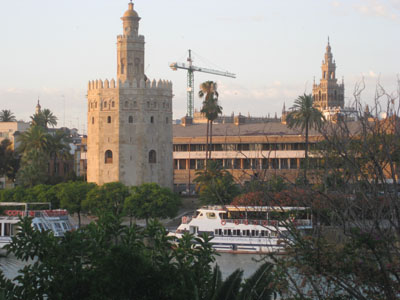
{"type": "Point", "coordinates": [328, 94]}
{"type": "Point", "coordinates": [130, 119]}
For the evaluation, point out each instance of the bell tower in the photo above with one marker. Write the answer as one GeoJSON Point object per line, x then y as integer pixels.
{"type": "Point", "coordinates": [328, 93]}
{"type": "Point", "coordinates": [130, 48]}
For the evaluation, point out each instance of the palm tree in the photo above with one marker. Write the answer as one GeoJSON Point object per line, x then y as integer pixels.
{"type": "Point", "coordinates": [34, 138]}
{"type": "Point", "coordinates": [210, 109]}
{"type": "Point", "coordinates": [44, 118]}
{"type": "Point", "coordinates": [7, 116]}
{"type": "Point", "coordinates": [260, 285]}
{"type": "Point", "coordinates": [58, 147]}
{"type": "Point", "coordinates": [49, 118]}
{"type": "Point", "coordinates": [305, 117]}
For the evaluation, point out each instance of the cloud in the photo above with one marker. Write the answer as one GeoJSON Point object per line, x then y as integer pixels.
{"type": "Point", "coordinates": [379, 8]}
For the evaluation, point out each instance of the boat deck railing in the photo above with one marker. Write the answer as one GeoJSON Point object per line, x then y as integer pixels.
{"type": "Point", "coordinates": [295, 222]}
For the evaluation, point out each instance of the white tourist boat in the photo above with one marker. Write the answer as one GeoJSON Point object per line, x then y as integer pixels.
{"type": "Point", "coordinates": [246, 229]}
{"type": "Point", "coordinates": [56, 220]}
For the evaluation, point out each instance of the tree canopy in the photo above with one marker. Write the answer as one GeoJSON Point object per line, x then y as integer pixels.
{"type": "Point", "coordinates": [149, 201]}
{"type": "Point", "coordinates": [7, 116]}
{"type": "Point", "coordinates": [215, 185]}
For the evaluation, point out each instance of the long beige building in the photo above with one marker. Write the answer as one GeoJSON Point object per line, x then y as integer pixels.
{"type": "Point", "coordinates": [259, 150]}
{"type": "Point", "coordinates": [130, 118]}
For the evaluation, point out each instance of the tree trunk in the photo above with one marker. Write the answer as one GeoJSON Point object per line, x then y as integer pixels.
{"type": "Point", "coordinates": [211, 148]}
{"type": "Point", "coordinates": [306, 155]}
{"type": "Point", "coordinates": [79, 219]}
{"type": "Point", "coordinates": [207, 144]}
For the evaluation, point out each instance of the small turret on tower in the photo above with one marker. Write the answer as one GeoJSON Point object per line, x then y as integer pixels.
{"type": "Point", "coordinates": [130, 48]}
{"type": "Point", "coordinates": [38, 108]}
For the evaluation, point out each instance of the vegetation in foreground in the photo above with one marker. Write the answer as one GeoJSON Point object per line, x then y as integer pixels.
{"type": "Point", "coordinates": [106, 260]}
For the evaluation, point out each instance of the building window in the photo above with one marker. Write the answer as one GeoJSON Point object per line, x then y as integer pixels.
{"type": "Point", "coordinates": [152, 119]}
{"type": "Point", "coordinates": [105, 104]}
{"type": "Point", "coordinates": [126, 104]}
{"type": "Point", "coordinates": [130, 119]}
{"type": "Point", "coordinates": [148, 104]}
{"type": "Point", "coordinates": [199, 164]}
{"type": "Point", "coordinates": [108, 157]}
{"type": "Point", "coordinates": [293, 163]}
{"type": "Point", "coordinates": [284, 163]}
{"type": "Point", "coordinates": [95, 105]}
{"type": "Point", "coordinates": [92, 120]}
{"type": "Point", "coordinates": [113, 104]}
{"type": "Point", "coordinates": [152, 157]}
{"type": "Point", "coordinates": [134, 103]}
{"type": "Point", "coordinates": [108, 119]}
{"type": "Point", "coordinates": [166, 120]}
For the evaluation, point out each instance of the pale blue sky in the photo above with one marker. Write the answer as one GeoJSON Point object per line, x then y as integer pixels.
{"type": "Point", "coordinates": [52, 48]}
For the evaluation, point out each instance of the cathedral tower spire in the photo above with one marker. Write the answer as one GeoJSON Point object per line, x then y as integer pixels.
{"type": "Point", "coordinates": [328, 93]}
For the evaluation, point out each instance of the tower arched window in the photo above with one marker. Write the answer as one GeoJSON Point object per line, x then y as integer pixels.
{"type": "Point", "coordinates": [152, 157]}
{"type": "Point", "coordinates": [130, 119]}
{"type": "Point", "coordinates": [113, 104]}
{"type": "Point", "coordinates": [109, 119]}
{"type": "Point", "coordinates": [335, 95]}
{"type": "Point", "coordinates": [126, 104]}
{"type": "Point", "coordinates": [108, 157]}
{"type": "Point", "coordinates": [152, 119]}
{"type": "Point", "coordinates": [105, 104]}
{"type": "Point", "coordinates": [166, 120]}
{"type": "Point", "coordinates": [95, 104]}
{"type": "Point", "coordinates": [324, 74]}
{"type": "Point", "coordinates": [92, 120]}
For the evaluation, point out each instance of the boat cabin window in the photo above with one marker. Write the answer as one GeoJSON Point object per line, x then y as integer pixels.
{"type": "Point", "coordinates": [262, 232]}
{"type": "Point", "coordinates": [273, 234]}
{"type": "Point", "coordinates": [229, 232]}
{"type": "Point", "coordinates": [64, 225]}
{"type": "Point", "coordinates": [225, 232]}
{"type": "Point", "coordinates": [211, 215]}
{"type": "Point", "coordinates": [58, 226]}
{"type": "Point", "coordinates": [222, 216]}
{"type": "Point", "coordinates": [246, 232]}
{"type": "Point", "coordinates": [1, 227]}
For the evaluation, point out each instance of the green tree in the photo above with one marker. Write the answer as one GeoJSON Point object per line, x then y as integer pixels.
{"type": "Point", "coordinates": [58, 148]}
{"type": "Point", "coordinates": [72, 196]}
{"type": "Point", "coordinates": [215, 185]}
{"type": "Point", "coordinates": [149, 201]}
{"type": "Point", "coordinates": [109, 197]}
{"type": "Point", "coordinates": [44, 118]}
{"type": "Point", "coordinates": [304, 116]}
{"type": "Point", "coordinates": [33, 168]}
{"type": "Point", "coordinates": [48, 118]}
{"type": "Point", "coordinates": [7, 116]}
{"type": "Point", "coordinates": [9, 162]}
{"type": "Point", "coordinates": [210, 109]}
{"type": "Point", "coordinates": [90, 263]}
{"type": "Point", "coordinates": [35, 138]}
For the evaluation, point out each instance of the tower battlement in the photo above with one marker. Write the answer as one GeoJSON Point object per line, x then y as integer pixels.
{"type": "Point", "coordinates": [135, 84]}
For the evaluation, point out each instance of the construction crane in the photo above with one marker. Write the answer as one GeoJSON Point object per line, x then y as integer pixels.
{"type": "Point", "coordinates": [190, 79]}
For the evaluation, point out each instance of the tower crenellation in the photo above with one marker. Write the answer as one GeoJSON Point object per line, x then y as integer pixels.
{"type": "Point", "coordinates": [130, 118]}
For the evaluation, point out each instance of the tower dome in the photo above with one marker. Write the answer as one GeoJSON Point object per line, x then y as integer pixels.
{"type": "Point", "coordinates": [130, 13]}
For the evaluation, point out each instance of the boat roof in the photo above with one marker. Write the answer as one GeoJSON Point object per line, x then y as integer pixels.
{"type": "Point", "coordinates": [251, 208]}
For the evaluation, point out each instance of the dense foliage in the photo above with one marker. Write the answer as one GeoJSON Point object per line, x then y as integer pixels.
{"type": "Point", "coordinates": [215, 185]}
{"type": "Point", "coordinates": [106, 260]}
